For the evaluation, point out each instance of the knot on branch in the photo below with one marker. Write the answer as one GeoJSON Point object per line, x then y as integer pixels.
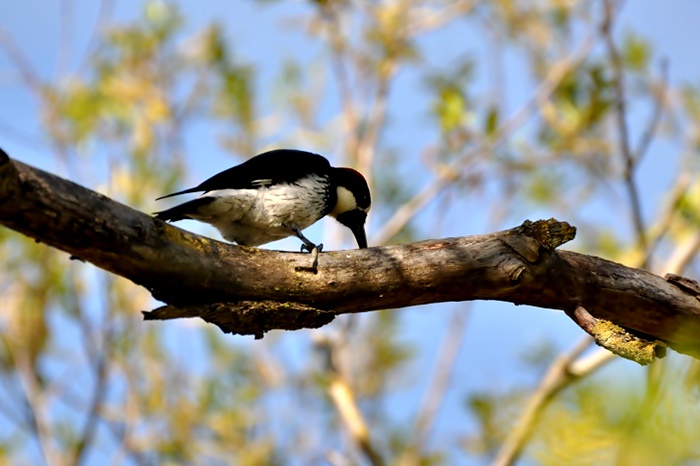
{"type": "Point", "coordinates": [248, 317]}
{"type": "Point", "coordinates": [550, 234]}
{"type": "Point", "coordinates": [688, 285]}
{"type": "Point", "coordinates": [531, 237]}
{"type": "Point", "coordinates": [617, 340]}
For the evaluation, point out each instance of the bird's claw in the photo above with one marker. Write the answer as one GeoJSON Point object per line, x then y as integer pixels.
{"type": "Point", "coordinates": [305, 248]}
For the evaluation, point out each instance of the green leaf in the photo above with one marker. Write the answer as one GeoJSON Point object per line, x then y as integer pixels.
{"type": "Point", "coordinates": [450, 109]}
{"type": "Point", "coordinates": [635, 52]}
{"type": "Point", "coordinates": [491, 125]}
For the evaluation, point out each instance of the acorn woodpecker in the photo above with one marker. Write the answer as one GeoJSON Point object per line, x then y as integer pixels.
{"type": "Point", "coordinates": [277, 194]}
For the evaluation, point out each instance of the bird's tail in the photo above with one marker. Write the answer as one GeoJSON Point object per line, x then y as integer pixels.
{"type": "Point", "coordinates": [183, 211]}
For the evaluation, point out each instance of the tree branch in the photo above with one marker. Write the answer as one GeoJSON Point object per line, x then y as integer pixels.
{"type": "Point", "coordinates": [250, 291]}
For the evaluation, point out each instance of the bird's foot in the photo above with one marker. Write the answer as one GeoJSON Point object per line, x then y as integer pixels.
{"type": "Point", "coordinates": [311, 247]}
{"type": "Point", "coordinates": [314, 250]}
{"type": "Point", "coordinates": [307, 245]}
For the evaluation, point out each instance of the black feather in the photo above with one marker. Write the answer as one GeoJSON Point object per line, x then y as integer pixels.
{"type": "Point", "coordinates": [280, 165]}
{"type": "Point", "coordinates": [183, 211]}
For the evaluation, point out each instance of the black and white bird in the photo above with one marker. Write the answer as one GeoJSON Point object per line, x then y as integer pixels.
{"type": "Point", "coordinates": [275, 195]}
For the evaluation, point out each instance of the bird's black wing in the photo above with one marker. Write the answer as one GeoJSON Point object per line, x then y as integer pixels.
{"type": "Point", "coordinates": [276, 166]}
{"type": "Point", "coordinates": [183, 211]}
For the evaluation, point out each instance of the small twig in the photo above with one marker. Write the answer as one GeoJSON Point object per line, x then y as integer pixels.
{"type": "Point", "coordinates": [586, 365]}
{"type": "Point", "coordinates": [556, 73]}
{"type": "Point", "coordinates": [99, 392]}
{"type": "Point", "coordinates": [330, 15]}
{"type": "Point", "coordinates": [368, 138]}
{"type": "Point", "coordinates": [66, 37]}
{"type": "Point", "coordinates": [27, 139]}
{"type": "Point", "coordinates": [659, 102]}
{"type": "Point", "coordinates": [410, 209]}
{"type": "Point", "coordinates": [122, 430]}
{"type": "Point", "coordinates": [104, 14]}
{"type": "Point", "coordinates": [344, 400]}
{"type": "Point", "coordinates": [559, 376]}
{"type": "Point", "coordinates": [334, 458]}
{"type": "Point", "coordinates": [430, 20]}
{"type": "Point", "coordinates": [683, 255]}
{"type": "Point", "coordinates": [630, 163]}
{"type": "Point", "coordinates": [404, 214]}
{"type": "Point", "coordinates": [35, 407]}
{"type": "Point", "coordinates": [444, 368]}
{"type": "Point", "coordinates": [675, 198]}
{"type": "Point", "coordinates": [89, 430]}
{"type": "Point", "coordinates": [23, 65]}
{"type": "Point", "coordinates": [13, 417]}
{"type": "Point", "coordinates": [21, 419]}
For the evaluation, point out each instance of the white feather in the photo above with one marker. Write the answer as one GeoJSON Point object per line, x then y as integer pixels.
{"type": "Point", "coordinates": [345, 201]}
{"type": "Point", "coordinates": [257, 216]}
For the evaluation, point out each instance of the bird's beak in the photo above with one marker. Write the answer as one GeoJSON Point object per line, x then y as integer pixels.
{"type": "Point", "coordinates": [355, 221]}
{"type": "Point", "coordinates": [358, 229]}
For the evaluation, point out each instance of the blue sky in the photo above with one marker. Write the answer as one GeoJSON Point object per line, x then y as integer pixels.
{"type": "Point", "coordinates": [263, 36]}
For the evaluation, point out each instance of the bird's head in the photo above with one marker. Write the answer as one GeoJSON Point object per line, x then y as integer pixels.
{"type": "Point", "coordinates": [352, 202]}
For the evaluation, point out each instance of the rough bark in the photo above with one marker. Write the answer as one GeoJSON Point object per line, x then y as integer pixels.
{"type": "Point", "coordinates": [250, 291]}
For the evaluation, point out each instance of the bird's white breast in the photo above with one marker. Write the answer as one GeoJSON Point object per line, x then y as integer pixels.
{"type": "Point", "coordinates": [257, 216]}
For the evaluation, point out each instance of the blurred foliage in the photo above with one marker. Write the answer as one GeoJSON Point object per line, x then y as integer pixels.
{"type": "Point", "coordinates": [84, 380]}
{"type": "Point", "coordinates": [624, 426]}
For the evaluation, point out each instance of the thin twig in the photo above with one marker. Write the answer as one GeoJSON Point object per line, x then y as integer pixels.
{"type": "Point", "coordinates": [21, 419]}
{"type": "Point", "coordinates": [368, 141]}
{"type": "Point", "coordinates": [339, 55]}
{"type": "Point", "coordinates": [127, 449]}
{"type": "Point", "coordinates": [404, 214]}
{"type": "Point", "coordinates": [679, 191]}
{"type": "Point", "coordinates": [66, 37]}
{"type": "Point", "coordinates": [559, 376]}
{"type": "Point", "coordinates": [344, 400]}
{"type": "Point", "coordinates": [630, 163]}
{"type": "Point", "coordinates": [657, 112]}
{"type": "Point", "coordinates": [99, 392]}
{"type": "Point", "coordinates": [683, 255]}
{"type": "Point", "coordinates": [26, 138]}
{"type": "Point", "coordinates": [338, 48]}
{"type": "Point", "coordinates": [410, 209]}
{"type": "Point", "coordinates": [586, 365]}
{"type": "Point", "coordinates": [444, 368]}
{"type": "Point", "coordinates": [35, 407]}
{"type": "Point", "coordinates": [13, 417]}
{"type": "Point", "coordinates": [20, 61]}
{"type": "Point", "coordinates": [122, 429]}
{"type": "Point", "coordinates": [103, 16]}
{"type": "Point", "coordinates": [432, 19]}
{"type": "Point", "coordinates": [556, 73]}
